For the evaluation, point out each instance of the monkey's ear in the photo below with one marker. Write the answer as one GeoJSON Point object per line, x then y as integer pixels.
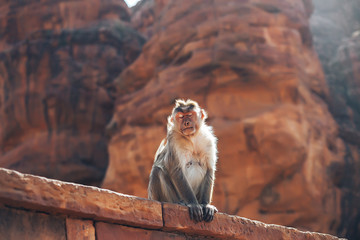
{"type": "Point", "coordinates": [203, 114]}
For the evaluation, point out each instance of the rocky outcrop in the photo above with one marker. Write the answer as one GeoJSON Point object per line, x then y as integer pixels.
{"type": "Point", "coordinates": [344, 76]}
{"type": "Point", "coordinates": [331, 22]}
{"type": "Point", "coordinates": [52, 209]}
{"type": "Point", "coordinates": [336, 27]}
{"type": "Point", "coordinates": [145, 14]}
{"type": "Point", "coordinates": [252, 66]}
{"type": "Point", "coordinates": [57, 62]}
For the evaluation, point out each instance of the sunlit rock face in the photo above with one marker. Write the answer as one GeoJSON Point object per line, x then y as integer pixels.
{"type": "Point", "coordinates": [252, 66]}
{"type": "Point", "coordinates": [57, 62]}
{"type": "Point", "coordinates": [336, 29]}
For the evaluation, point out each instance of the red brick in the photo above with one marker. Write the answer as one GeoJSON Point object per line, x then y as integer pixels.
{"type": "Point", "coordinates": [77, 229]}
{"type": "Point", "coordinates": [176, 218]}
{"type": "Point", "coordinates": [106, 231]}
{"type": "Point", "coordinates": [24, 225]}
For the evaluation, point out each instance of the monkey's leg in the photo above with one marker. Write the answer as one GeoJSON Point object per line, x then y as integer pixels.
{"type": "Point", "coordinates": [155, 190]}
{"type": "Point", "coordinates": [161, 187]}
{"type": "Point", "coordinates": [187, 195]}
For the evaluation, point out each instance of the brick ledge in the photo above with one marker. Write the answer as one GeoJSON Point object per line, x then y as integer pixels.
{"type": "Point", "coordinates": [78, 201]}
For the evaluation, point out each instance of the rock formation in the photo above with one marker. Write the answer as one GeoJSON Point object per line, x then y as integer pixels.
{"type": "Point", "coordinates": [57, 62]}
{"type": "Point", "coordinates": [336, 29]}
{"type": "Point", "coordinates": [252, 66]}
{"type": "Point", "coordinates": [346, 88]}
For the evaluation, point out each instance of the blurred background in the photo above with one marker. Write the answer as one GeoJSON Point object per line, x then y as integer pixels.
{"type": "Point", "coordinates": [86, 87]}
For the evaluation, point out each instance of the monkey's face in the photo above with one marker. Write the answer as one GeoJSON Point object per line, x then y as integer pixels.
{"type": "Point", "coordinates": [187, 122]}
{"type": "Point", "coordinates": [186, 118]}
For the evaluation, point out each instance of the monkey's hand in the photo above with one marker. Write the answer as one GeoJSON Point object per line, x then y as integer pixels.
{"type": "Point", "coordinates": [209, 212]}
{"type": "Point", "coordinates": [196, 212]}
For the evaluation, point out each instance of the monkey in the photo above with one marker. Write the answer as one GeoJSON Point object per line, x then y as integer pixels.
{"type": "Point", "coordinates": [184, 167]}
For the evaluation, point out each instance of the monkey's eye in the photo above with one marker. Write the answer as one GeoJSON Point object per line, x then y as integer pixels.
{"type": "Point", "coordinates": [181, 115]}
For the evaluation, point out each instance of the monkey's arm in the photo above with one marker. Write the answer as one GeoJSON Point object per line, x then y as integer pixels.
{"type": "Point", "coordinates": [205, 194]}
{"type": "Point", "coordinates": [206, 187]}
{"type": "Point", "coordinates": [183, 188]}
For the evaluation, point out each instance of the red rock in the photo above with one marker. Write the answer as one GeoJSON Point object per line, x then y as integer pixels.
{"type": "Point", "coordinates": [145, 14]}
{"type": "Point", "coordinates": [21, 19]}
{"type": "Point", "coordinates": [57, 62]}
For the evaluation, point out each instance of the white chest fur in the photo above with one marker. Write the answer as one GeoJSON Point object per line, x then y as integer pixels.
{"type": "Point", "coordinates": [194, 173]}
{"type": "Point", "coordinates": [196, 158]}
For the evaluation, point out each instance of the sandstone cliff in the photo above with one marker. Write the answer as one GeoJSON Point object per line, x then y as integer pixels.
{"type": "Point", "coordinates": [57, 62]}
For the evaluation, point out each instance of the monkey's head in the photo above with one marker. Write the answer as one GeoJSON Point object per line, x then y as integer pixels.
{"type": "Point", "coordinates": [187, 117]}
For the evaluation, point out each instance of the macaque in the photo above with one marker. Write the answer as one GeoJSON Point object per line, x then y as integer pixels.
{"type": "Point", "coordinates": [184, 168]}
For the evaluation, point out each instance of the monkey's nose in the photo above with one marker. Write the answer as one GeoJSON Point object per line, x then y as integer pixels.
{"type": "Point", "coordinates": [187, 123]}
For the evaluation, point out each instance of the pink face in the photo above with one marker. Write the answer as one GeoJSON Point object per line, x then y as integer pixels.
{"type": "Point", "coordinates": [187, 122]}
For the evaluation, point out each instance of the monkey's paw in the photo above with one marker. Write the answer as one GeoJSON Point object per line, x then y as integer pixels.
{"type": "Point", "coordinates": [196, 212]}
{"type": "Point", "coordinates": [209, 212]}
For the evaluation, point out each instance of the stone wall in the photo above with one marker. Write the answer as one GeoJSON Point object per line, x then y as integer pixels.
{"type": "Point", "coordinates": [34, 207]}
